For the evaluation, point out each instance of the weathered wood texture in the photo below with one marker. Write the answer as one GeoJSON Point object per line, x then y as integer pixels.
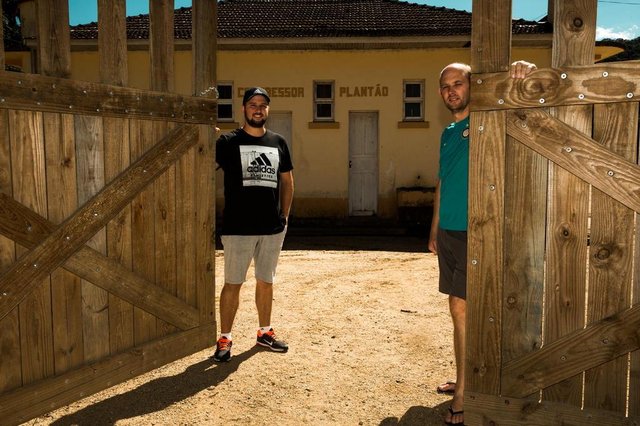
{"type": "Point", "coordinates": [10, 377]}
{"type": "Point", "coordinates": [504, 411]}
{"type": "Point", "coordinates": [553, 236]}
{"type": "Point", "coordinates": [562, 85]}
{"type": "Point", "coordinates": [204, 70]}
{"type": "Point", "coordinates": [565, 294]}
{"type": "Point", "coordinates": [98, 202]}
{"type": "Point", "coordinates": [164, 205]}
{"type": "Point", "coordinates": [112, 51]}
{"type": "Point", "coordinates": [40, 93]}
{"type": "Point", "coordinates": [25, 403]}
{"type": "Point", "coordinates": [491, 37]}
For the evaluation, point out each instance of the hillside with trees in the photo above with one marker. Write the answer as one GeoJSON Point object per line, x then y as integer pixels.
{"type": "Point", "coordinates": [631, 49]}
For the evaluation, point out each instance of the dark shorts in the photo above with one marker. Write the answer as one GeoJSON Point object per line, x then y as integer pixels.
{"type": "Point", "coordinates": [452, 261]}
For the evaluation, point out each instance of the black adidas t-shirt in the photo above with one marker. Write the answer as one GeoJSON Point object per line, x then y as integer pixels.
{"type": "Point", "coordinates": [252, 168]}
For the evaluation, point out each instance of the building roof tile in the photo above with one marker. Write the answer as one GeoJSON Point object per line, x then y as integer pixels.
{"type": "Point", "coordinates": [319, 18]}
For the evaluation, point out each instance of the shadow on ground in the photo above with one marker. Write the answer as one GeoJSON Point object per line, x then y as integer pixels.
{"type": "Point", "coordinates": [419, 416]}
{"type": "Point", "coordinates": [157, 394]}
{"type": "Point", "coordinates": [367, 233]}
{"type": "Point", "coordinates": [398, 243]}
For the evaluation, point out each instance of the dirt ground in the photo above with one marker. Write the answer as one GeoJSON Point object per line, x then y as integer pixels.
{"type": "Point", "coordinates": [369, 337]}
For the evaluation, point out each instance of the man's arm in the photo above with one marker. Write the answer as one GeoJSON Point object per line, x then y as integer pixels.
{"type": "Point", "coordinates": [286, 192]}
{"type": "Point", "coordinates": [435, 221]}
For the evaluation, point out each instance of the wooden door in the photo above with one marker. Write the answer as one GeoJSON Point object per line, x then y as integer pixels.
{"type": "Point", "coordinates": [363, 163]}
{"type": "Point", "coordinates": [281, 122]}
{"type": "Point", "coordinates": [106, 267]}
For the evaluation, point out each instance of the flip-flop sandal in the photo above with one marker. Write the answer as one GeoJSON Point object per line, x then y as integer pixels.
{"type": "Point", "coordinates": [447, 388]}
{"type": "Point", "coordinates": [455, 413]}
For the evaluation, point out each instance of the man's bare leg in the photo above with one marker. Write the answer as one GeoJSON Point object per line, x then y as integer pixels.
{"type": "Point", "coordinates": [458, 308]}
{"type": "Point", "coordinates": [264, 302]}
{"type": "Point", "coordinates": [229, 302]}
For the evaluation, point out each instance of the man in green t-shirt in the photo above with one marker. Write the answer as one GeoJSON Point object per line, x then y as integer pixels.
{"type": "Point", "coordinates": [448, 236]}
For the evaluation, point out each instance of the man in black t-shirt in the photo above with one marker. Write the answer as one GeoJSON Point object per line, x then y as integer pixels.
{"type": "Point", "coordinates": [258, 190]}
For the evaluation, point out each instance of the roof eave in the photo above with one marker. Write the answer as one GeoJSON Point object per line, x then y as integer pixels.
{"type": "Point", "coordinates": [332, 43]}
{"type": "Point", "coordinates": [532, 40]}
{"type": "Point", "coordinates": [342, 43]}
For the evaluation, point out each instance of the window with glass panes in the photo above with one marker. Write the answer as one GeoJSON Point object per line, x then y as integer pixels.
{"type": "Point", "coordinates": [413, 102]}
{"type": "Point", "coordinates": [323, 100]}
{"type": "Point", "coordinates": [225, 102]}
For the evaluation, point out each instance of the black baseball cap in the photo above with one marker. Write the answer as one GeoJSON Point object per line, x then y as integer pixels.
{"type": "Point", "coordinates": [254, 91]}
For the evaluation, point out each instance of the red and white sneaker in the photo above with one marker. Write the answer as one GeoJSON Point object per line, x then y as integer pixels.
{"type": "Point", "coordinates": [223, 350]}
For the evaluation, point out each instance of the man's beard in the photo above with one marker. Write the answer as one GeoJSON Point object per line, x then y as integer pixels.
{"type": "Point", "coordinates": [257, 124]}
{"type": "Point", "coordinates": [457, 108]}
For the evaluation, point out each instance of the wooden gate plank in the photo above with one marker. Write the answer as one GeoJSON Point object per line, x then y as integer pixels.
{"type": "Point", "coordinates": [204, 48]}
{"type": "Point", "coordinates": [66, 294]}
{"type": "Point", "coordinates": [161, 52]}
{"type": "Point", "coordinates": [95, 301]}
{"type": "Point", "coordinates": [634, 370]}
{"type": "Point", "coordinates": [611, 255]}
{"type": "Point", "coordinates": [491, 33]}
{"type": "Point", "coordinates": [112, 51]}
{"type": "Point", "coordinates": [25, 403]}
{"type": "Point", "coordinates": [525, 221]}
{"type": "Point", "coordinates": [10, 374]}
{"type": "Point", "coordinates": [559, 86]}
{"type": "Point", "coordinates": [28, 167]}
{"type": "Point", "coordinates": [20, 279]}
{"type": "Point", "coordinates": [573, 353]}
{"type": "Point", "coordinates": [142, 231]}
{"type": "Point", "coordinates": [495, 410]}
{"type": "Point", "coordinates": [574, 32]}
{"type": "Point", "coordinates": [578, 154]}
{"type": "Point", "coordinates": [66, 298]}
{"type": "Point", "coordinates": [28, 229]}
{"type": "Point", "coordinates": [52, 94]}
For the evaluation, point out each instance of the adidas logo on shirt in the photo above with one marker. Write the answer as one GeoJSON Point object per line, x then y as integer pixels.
{"type": "Point", "coordinates": [261, 165]}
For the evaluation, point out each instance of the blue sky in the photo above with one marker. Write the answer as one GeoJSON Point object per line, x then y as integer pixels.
{"type": "Point", "coordinates": [616, 18]}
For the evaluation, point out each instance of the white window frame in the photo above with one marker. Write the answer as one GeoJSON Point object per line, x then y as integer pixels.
{"type": "Point", "coordinates": [324, 101]}
{"type": "Point", "coordinates": [413, 100]}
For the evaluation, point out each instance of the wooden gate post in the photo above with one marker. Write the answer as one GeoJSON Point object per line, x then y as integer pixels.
{"type": "Point", "coordinates": [490, 46]}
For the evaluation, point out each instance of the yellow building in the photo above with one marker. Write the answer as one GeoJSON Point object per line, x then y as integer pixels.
{"type": "Point", "coordinates": [353, 85]}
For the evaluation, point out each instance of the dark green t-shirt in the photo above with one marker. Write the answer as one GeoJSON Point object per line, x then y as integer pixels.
{"type": "Point", "coordinates": [454, 176]}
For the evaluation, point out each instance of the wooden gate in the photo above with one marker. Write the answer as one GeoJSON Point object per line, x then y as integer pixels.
{"type": "Point", "coordinates": [552, 319]}
{"type": "Point", "coordinates": [106, 213]}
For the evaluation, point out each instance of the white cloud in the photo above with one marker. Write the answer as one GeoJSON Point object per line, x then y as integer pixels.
{"type": "Point", "coordinates": [614, 33]}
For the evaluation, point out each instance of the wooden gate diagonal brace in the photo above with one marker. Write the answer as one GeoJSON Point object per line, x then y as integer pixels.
{"type": "Point", "coordinates": [547, 87]}
{"type": "Point", "coordinates": [34, 92]}
{"type": "Point", "coordinates": [27, 402]}
{"type": "Point", "coordinates": [25, 274]}
{"type": "Point", "coordinates": [578, 154]}
{"type": "Point", "coordinates": [579, 351]}
{"type": "Point", "coordinates": [28, 228]}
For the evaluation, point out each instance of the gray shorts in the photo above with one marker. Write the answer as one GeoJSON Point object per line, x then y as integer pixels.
{"type": "Point", "coordinates": [452, 262]}
{"type": "Point", "coordinates": [239, 250]}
